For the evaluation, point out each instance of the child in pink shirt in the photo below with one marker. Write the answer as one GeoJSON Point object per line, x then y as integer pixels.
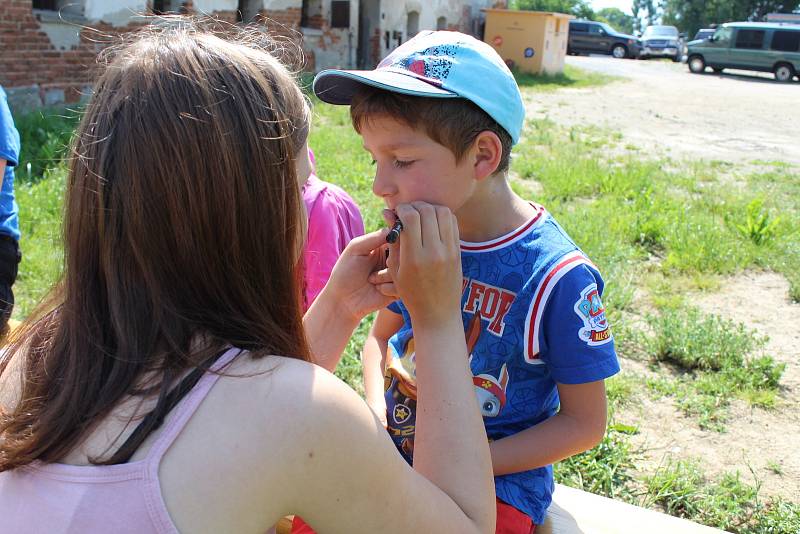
{"type": "Point", "coordinates": [333, 220]}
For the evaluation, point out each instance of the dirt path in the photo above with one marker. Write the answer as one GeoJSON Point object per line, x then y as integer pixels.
{"type": "Point", "coordinates": [662, 109]}
{"type": "Point", "coordinates": [766, 441]}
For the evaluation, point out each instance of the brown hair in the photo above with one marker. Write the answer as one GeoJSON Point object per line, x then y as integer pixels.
{"type": "Point", "coordinates": [451, 122]}
{"type": "Point", "coordinates": [182, 222]}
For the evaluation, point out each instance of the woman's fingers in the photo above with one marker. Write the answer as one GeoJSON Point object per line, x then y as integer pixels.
{"type": "Point", "coordinates": [363, 245]}
{"type": "Point", "coordinates": [388, 290]}
{"type": "Point", "coordinates": [382, 276]}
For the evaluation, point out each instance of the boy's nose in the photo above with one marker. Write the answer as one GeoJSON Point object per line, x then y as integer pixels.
{"type": "Point", "coordinates": [383, 185]}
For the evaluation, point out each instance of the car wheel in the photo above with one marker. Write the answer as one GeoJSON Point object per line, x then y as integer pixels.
{"type": "Point", "coordinates": [697, 64]}
{"type": "Point", "coordinates": [783, 72]}
{"type": "Point", "coordinates": [619, 51]}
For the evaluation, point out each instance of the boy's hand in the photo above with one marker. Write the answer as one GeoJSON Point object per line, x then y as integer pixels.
{"type": "Point", "coordinates": [379, 409]}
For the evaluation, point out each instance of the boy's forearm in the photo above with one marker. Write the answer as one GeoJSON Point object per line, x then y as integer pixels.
{"type": "Point", "coordinates": [374, 362]}
{"type": "Point", "coordinates": [552, 440]}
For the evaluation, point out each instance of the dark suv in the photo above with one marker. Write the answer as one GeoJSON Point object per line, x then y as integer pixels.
{"type": "Point", "coordinates": [590, 37]}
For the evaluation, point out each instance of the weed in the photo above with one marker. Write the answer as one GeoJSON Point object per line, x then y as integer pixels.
{"type": "Point", "coordinates": [759, 226]}
{"type": "Point", "coordinates": [794, 287]}
{"type": "Point", "coordinates": [730, 503]}
{"type": "Point", "coordinates": [718, 357]}
{"type": "Point", "coordinates": [775, 467]}
{"type": "Point", "coordinates": [45, 137]}
{"type": "Point", "coordinates": [692, 341]}
{"type": "Point", "coordinates": [620, 388]}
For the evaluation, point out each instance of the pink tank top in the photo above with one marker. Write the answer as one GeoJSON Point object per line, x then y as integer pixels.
{"type": "Point", "coordinates": [121, 499]}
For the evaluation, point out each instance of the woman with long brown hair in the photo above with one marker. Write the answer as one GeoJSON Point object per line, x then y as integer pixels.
{"type": "Point", "coordinates": [165, 384]}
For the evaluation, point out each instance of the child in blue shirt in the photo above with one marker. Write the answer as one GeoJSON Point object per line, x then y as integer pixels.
{"type": "Point", "coordinates": [9, 212]}
{"type": "Point", "coordinates": [439, 116]}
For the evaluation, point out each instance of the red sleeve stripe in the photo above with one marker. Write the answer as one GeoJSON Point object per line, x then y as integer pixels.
{"type": "Point", "coordinates": [539, 301]}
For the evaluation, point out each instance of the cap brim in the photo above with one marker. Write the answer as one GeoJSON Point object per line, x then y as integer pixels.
{"type": "Point", "coordinates": [339, 86]}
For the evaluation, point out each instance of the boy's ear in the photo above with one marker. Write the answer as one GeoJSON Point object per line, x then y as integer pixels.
{"type": "Point", "coordinates": [487, 151]}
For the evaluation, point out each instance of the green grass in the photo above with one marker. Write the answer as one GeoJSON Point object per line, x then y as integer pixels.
{"type": "Point", "coordinates": [718, 360]}
{"type": "Point", "coordinates": [40, 208]}
{"type": "Point", "coordinates": [571, 77]}
{"type": "Point", "coordinates": [729, 503]}
{"type": "Point", "coordinates": [608, 469]}
{"type": "Point", "coordinates": [46, 135]}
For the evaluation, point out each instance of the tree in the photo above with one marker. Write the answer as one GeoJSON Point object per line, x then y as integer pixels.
{"type": "Point", "coordinates": [616, 18]}
{"type": "Point", "coordinates": [691, 15]}
{"type": "Point", "coordinates": [579, 8]}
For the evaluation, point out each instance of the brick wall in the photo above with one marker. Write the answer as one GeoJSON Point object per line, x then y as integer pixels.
{"type": "Point", "coordinates": [35, 72]}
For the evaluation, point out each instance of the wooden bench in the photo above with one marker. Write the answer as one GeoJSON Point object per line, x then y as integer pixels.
{"type": "Point", "coordinates": [578, 512]}
{"type": "Point", "coordinates": [574, 511]}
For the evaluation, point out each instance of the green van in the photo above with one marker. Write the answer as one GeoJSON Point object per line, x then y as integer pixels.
{"type": "Point", "coordinates": [762, 46]}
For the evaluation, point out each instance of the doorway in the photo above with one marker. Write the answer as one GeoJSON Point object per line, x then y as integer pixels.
{"type": "Point", "coordinates": [369, 34]}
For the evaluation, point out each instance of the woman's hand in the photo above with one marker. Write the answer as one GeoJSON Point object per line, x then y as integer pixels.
{"type": "Point", "coordinates": [351, 286]}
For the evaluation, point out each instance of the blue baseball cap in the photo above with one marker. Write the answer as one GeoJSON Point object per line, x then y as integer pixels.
{"type": "Point", "coordinates": [437, 64]}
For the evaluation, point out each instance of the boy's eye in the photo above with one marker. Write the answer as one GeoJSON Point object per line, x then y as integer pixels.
{"type": "Point", "coordinates": [402, 164]}
{"type": "Point", "coordinates": [373, 162]}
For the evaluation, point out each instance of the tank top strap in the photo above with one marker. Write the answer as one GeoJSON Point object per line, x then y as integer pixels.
{"type": "Point", "coordinates": [181, 414]}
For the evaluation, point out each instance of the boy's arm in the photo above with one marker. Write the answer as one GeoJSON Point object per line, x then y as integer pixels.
{"type": "Point", "coordinates": [579, 425]}
{"type": "Point", "coordinates": [374, 359]}
{"type": "Point", "coordinates": [572, 338]}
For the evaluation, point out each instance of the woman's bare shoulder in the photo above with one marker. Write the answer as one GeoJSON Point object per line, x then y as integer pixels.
{"type": "Point", "coordinates": [282, 389]}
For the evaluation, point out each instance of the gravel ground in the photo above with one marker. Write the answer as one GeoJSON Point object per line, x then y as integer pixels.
{"type": "Point", "coordinates": [661, 108]}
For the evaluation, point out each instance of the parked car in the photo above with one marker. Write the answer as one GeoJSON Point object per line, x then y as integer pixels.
{"type": "Point", "coordinates": [662, 41]}
{"type": "Point", "coordinates": [703, 33]}
{"type": "Point", "coordinates": [760, 46]}
{"type": "Point", "coordinates": [590, 37]}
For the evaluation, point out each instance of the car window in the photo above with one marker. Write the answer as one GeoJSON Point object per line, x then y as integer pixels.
{"type": "Point", "coordinates": [595, 28]}
{"type": "Point", "coordinates": [606, 27]}
{"type": "Point", "coordinates": [578, 27]}
{"type": "Point", "coordinates": [660, 31]}
{"type": "Point", "coordinates": [750, 39]}
{"type": "Point", "coordinates": [786, 41]}
{"type": "Point", "coordinates": [723, 35]}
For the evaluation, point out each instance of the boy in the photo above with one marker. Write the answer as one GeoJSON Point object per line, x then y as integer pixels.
{"type": "Point", "coordinates": [439, 116]}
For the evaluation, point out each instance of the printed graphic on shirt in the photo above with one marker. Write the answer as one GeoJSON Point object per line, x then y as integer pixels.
{"type": "Point", "coordinates": [401, 390]}
{"type": "Point", "coordinates": [590, 309]}
{"type": "Point", "coordinates": [490, 390]}
{"type": "Point", "coordinates": [490, 302]}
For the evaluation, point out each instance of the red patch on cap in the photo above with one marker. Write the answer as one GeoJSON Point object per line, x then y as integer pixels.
{"type": "Point", "coordinates": [417, 67]}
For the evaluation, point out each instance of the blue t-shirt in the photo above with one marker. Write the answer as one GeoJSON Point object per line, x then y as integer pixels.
{"type": "Point", "coordinates": [9, 151]}
{"type": "Point", "coordinates": [532, 318]}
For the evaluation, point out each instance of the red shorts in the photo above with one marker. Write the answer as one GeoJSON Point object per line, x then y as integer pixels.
{"type": "Point", "coordinates": [509, 521]}
{"type": "Point", "coordinates": [512, 521]}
